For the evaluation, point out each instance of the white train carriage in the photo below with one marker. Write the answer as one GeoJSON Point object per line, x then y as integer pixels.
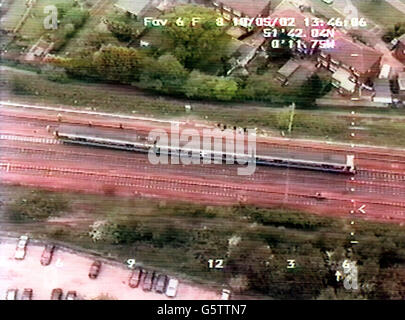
{"type": "Point", "coordinates": [131, 143]}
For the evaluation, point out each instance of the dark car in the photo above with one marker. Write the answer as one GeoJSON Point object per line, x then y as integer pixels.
{"type": "Point", "coordinates": [135, 278]}
{"type": "Point", "coordinates": [94, 269]}
{"type": "Point", "coordinates": [47, 254]}
{"type": "Point", "coordinates": [161, 283]}
{"type": "Point", "coordinates": [148, 281]}
{"type": "Point", "coordinates": [56, 294]}
{"type": "Point", "coordinates": [27, 294]}
{"type": "Point", "coordinates": [71, 295]}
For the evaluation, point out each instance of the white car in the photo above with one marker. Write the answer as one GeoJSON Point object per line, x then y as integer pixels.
{"type": "Point", "coordinates": [21, 248]}
{"type": "Point", "coordinates": [225, 294]}
{"type": "Point", "coordinates": [171, 289]}
{"type": "Point", "coordinates": [328, 1]}
{"type": "Point", "coordinates": [11, 294]}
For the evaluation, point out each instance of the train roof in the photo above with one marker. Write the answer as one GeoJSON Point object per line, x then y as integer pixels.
{"type": "Point", "coordinates": [110, 133]}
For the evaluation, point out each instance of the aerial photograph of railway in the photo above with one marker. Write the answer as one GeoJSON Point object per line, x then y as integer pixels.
{"type": "Point", "coordinates": [202, 150]}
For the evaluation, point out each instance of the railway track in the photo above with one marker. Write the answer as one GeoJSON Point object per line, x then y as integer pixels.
{"type": "Point", "coordinates": [386, 156]}
{"type": "Point", "coordinates": [175, 183]}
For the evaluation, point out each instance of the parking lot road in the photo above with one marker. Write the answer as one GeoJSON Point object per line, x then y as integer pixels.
{"type": "Point", "coordinates": [69, 271]}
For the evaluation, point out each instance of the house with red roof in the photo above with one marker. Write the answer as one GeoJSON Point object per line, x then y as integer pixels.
{"type": "Point", "coordinates": [302, 31]}
{"type": "Point", "coordinates": [359, 63]}
{"type": "Point", "coordinates": [399, 52]}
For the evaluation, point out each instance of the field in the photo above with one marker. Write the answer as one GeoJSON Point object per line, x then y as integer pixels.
{"type": "Point", "coordinates": [92, 29]}
{"type": "Point", "coordinates": [14, 14]}
{"type": "Point", "coordinates": [33, 27]}
{"type": "Point", "coordinates": [380, 12]}
{"type": "Point", "coordinates": [254, 244]}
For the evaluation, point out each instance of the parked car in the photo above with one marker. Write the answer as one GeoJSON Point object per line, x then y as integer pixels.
{"type": "Point", "coordinates": [148, 281]}
{"type": "Point", "coordinates": [71, 295]}
{"type": "Point", "coordinates": [95, 269]}
{"type": "Point", "coordinates": [21, 248]}
{"type": "Point", "coordinates": [47, 254]}
{"type": "Point", "coordinates": [135, 278]}
{"type": "Point", "coordinates": [56, 294]}
{"type": "Point", "coordinates": [161, 283]}
{"type": "Point", "coordinates": [27, 294]}
{"type": "Point", "coordinates": [172, 286]}
{"type": "Point", "coordinates": [11, 294]}
{"type": "Point", "coordinates": [226, 294]}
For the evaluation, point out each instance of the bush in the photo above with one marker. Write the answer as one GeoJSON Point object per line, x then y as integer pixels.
{"type": "Point", "coordinates": [37, 205]}
{"type": "Point", "coordinates": [203, 86]}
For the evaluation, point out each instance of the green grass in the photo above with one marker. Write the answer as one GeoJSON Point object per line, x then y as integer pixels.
{"type": "Point", "coordinates": [91, 29]}
{"type": "Point", "coordinates": [380, 12]}
{"type": "Point", "coordinates": [13, 15]}
{"type": "Point", "coordinates": [33, 27]}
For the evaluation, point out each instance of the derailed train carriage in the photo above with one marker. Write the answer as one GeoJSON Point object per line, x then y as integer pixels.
{"type": "Point", "coordinates": [121, 141]}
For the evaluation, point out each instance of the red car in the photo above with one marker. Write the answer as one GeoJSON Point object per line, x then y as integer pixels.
{"type": "Point", "coordinates": [47, 254]}
{"type": "Point", "coordinates": [135, 278]}
{"type": "Point", "coordinates": [148, 281]}
{"type": "Point", "coordinates": [56, 294]}
{"type": "Point", "coordinates": [27, 294]}
{"type": "Point", "coordinates": [94, 269]}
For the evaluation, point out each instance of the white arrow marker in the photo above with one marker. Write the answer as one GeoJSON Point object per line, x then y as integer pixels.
{"type": "Point", "coordinates": [361, 209]}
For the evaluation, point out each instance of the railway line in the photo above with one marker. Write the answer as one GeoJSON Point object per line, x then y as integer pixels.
{"type": "Point", "coordinates": [30, 155]}
{"type": "Point", "coordinates": [363, 154]}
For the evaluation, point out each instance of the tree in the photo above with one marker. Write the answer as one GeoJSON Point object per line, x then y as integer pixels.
{"type": "Point", "coordinates": [199, 85]}
{"type": "Point", "coordinates": [193, 43]}
{"type": "Point", "coordinates": [123, 31]}
{"type": "Point", "coordinates": [118, 63]}
{"type": "Point", "coordinates": [394, 32]}
{"type": "Point", "coordinates": [165, 74]}
{"type": "Point", "coordinates": [311, 90]}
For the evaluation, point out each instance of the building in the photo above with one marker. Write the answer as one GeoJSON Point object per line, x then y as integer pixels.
{"type": "Point", "coordinates": [382, 90]}
{"type": "Point", "coordinates": [286, 71]}
{"type": "Point", "coordinates": [242, 8]}
{"type": "Point", "coordinates": [399, 51]}
{"type": "Point", "coordinates": [137, 8]}
{"type": "Point", "coordinates": [304, 33]}
{"type": "Point", "coordinates": [341, 80]}
{"type": "Point", "coordinates": [361, 62]}
{"type": "Point", "coordinates": [401, 85]}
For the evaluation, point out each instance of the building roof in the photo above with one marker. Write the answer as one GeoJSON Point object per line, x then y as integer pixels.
{"type": "Point", "coordinates": [382, 90]}
{"type": "Point", "coordinates": [402, 38]}
{"type": "Point", "coordinates": [353, 54]}
{"type": "Point", "coordinates": [343, 77]}
{"type": "Point", "coordinates": [401, 81]}
{"type": "Point", "coordinates": [299, 21]}
{"type": "Point", "coordinates": [248, 7]}
{"type": "Point", "coordinates": [132, 6]}
{"type": "Point", "coordinates": [288, 68]}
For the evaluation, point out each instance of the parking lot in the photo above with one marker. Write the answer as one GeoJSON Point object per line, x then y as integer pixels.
{"type": "Point", "coordinates": [69, 271]}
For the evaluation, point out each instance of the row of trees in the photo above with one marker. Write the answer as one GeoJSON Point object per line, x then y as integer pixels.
{"type": "Point", "coordinates": [166, 74]}
{"type": "Point", "coordinates": [256, 256]}
{"type": "Point", "coordinates": [256, 246]}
